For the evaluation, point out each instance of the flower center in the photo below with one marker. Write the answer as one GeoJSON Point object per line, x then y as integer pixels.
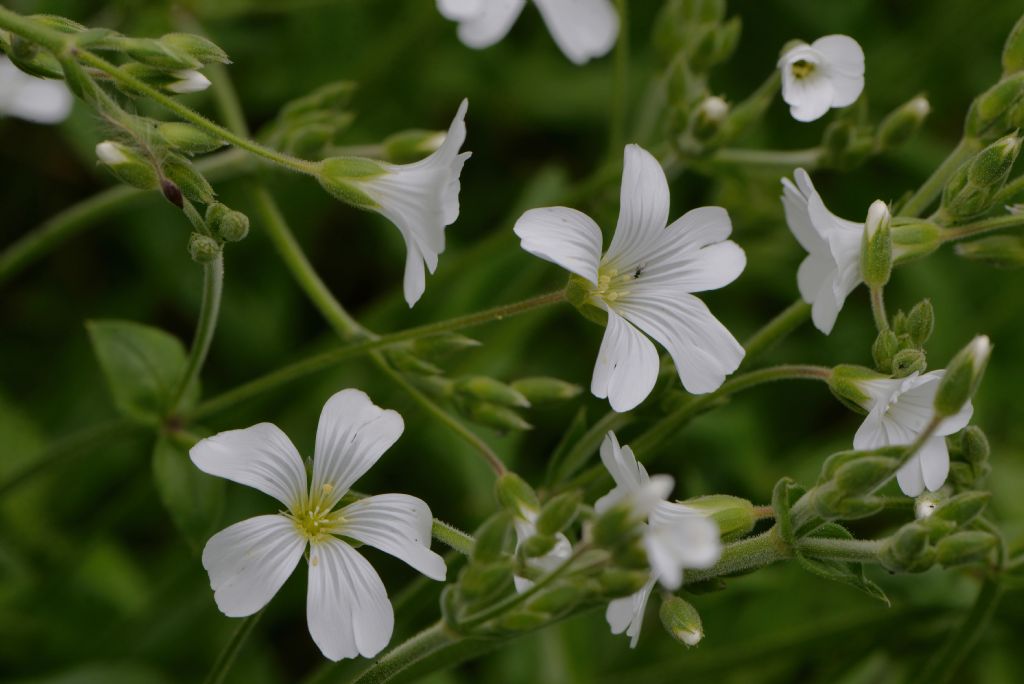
{"type": "Point", "coordinates": [611, 284]}
{"type": "Point", "coordinates": [801, 68]}
{"type": "Point", "coordinates": [315, 519]}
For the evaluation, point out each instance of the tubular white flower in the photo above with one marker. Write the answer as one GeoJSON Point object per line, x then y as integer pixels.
{"type": "Point", "coordinates": [827, 73]}
{"type": "Point", "coordinates": [421, 199]}
{"type": "Point", "coordinates": [831, 270]}
{"type": "Point", "coordinates": [582, 29]}
{"type": "Point", "coordinates": [30, 98]}
{"type": "Point", "coordinates": [645, 283]}
{"type": "Point", "coordinates": [899, 410]}
{"type": "Point", "coordinates": [348, 611]}
{"type": "Point", "coordinates": [189, 81]}
{"type": "Point", "coordinates": [676, 536]}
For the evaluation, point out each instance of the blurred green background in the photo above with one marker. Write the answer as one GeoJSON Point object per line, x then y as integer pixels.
{"type": "Point", "coordinates": [97, 586]}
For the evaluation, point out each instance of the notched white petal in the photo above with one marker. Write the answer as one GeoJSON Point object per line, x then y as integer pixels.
{"type": "Point", "coordinates": [563, 236]}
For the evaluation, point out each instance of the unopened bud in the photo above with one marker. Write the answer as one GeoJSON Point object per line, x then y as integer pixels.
{"type": "Point", "coordinates": [558, 599]}
{"type": "Point", "coordinates": [481, 580]}
{"type": "Point", "coordinates": [901, 123]}
{"type": "Point", "coordinates": [538, 545]}
{"type": "Point", "coordinates": [733, 515]}
{"type": "Point", "coordinates": [542, 390]}
{"type": "Point", "coordinates": [498, 417]}
{"type": "Point", "coordinates": [998, 110]}
{"type": "Point", "coordinates": [962, 377]}
{"type": "Point", "coordinates": [489, 389]}
{"type": "Point", "coordinates": [492, 537]}
{"type": "Point", "coordinates": [681, 620]}
{"type": "Point", "coordinates": [516, 495]}
{"type": "Point", "coordinates": [443, 346]}
{"type": "Point", "coordinates": [908, 361]}
{"type": "Point", "coordinates": [884, 349]}
{"type": "Point", "coordinates": [202, 248]}
{"type": "Point", "coordinates": [156, 53]}
{"type": "Point", "coordinates": [1013, 49]}
{"type": "Point", "coordinates": [412, 145]}
{"type": "Point", "coordinates": [962, 508]}
{"type": "Point", "coordinates": [127, 165]}
{"type": "Point", "coordinates": [964, 547]}
{"type": "Point", "coordinates": [617, 582]}
{"type": "Point", "coordinates": [198, 48]}
{"type": "Point", "coordinates": [914, 238]}
{"type": "Point", "coordinates": [187, 81]}
{"type": "Point", "coordinates": [193, 184]}
{"type": "Point", "coordinates": [876, 247]}
{"type": "Point", "coordinates": [902, 550]}
{"type": "Point", "coordinates": [188, 138]}
{"type": "Point", "coordinates": [523, 621]}
{"type": "Point", "coordinates": [558, 513]}
{"type": "Point", "coordinates": [863, 475]}
{"type": "Point", "coordinates": [845, 382]}
{"type": "Point", "coordinates": [974, 446]}
{"type": "Point", "coordinates": [230, 225]}
{"type": "Point", "coordinates": [921, 322]}
{"type": "Point", "coordinates": [1000, 251]}
{"type": "Point", "coordinates": [403, 359]}
{"type": "Point", "coordinates": [708, 117]}
{"type": "Point", "coordinates": [973, 189]}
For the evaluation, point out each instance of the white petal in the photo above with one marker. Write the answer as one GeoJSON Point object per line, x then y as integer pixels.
{"type": "Point", "coordinates": [628, 474]}
{"type": "Point", "coordinates": [795, 198]}
{"type": "Point", "coordinates": [33, 99]}
{"type": "Point", "coordinates": [844, 65]}
{"type": "Point", "coordinates": [825, 309]}
{"type": "Point", "coordinates": [583, 29]}
{"type": "Point", "coordinates": [487, 27]}
{"type": "Point", "coordinates": [627, 365]}
{"type": "Point", "coordinates": [414, 279]}
{"type": "Point", "coordinates": [643, 208]}
{"type": "Point", "coordinates": [703, 350]}
{"type": "Point", "coordinates": [679, 537]}
{"type": "Point", "coordinates": [809, 98]}
{"type": "Point", "coordinates": [871, 434]}
{"type": "Point", "coordinates": [626, 614]}
{"type": "Point", "coordinates": [261, 457]}
{"type": "Point", "coordinates": [352, 434]}
{"type": "Point", "coordinates": [250, 560]}
{"type": "Point", "coordinates": [460, 10]}
{"type": "Point", "coordinates": [558, 554]}
{"type": "Point", "coordinates": [398, 524]}
{"type": "Point", "coordinates": [562, 236]}
{"type": "Point", "coordinates": [814, 273]}
{"type": "Point", "coordinates": [934, 462]}
{"type": "Point", "coordinates": [347, 607]}
{"type": "Point", "coordinates": [910, 477]}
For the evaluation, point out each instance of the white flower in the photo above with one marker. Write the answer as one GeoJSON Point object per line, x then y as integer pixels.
{"type": "Point", "coordinates": [525, 526]}
{"type": "Point", "coordinates": [110, 153]}
{"type": "Point", "coordinates": [347, 607]}
{"type": "Point", "coordinates": [188, 81]}
{"type": "Point", "coordinates": [421, 199]}
{"type": "Point", "coordinates": [33, 99]}
{"type": "Point", "coordinates": [831, 270]}
{"type": "Point", "coordinates": [899, 409]}
{"type": "Point", "coordinates": [827, 73]}
{"type": "Point", "coordinates": [583, 29]}
{"type": "Point", "coordinates": [676, 536]}
{"type": "Point", "coordinates": [644, 282]}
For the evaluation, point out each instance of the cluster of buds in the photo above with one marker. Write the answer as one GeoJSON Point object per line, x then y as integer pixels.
{"type": "Point", "coordinates": [944, 533]}
{"type": "Point", "coordinates": [975, 187]}
{"type": "Point", "coordinates": [899, 351]}
{"type": "Point", "coordinates": [311, 125]}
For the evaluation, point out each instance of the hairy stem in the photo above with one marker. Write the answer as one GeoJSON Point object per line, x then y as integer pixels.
{"type": "Point", "coordinates": [853, 550]}
{"type": "Point", "coordinates": [988, 225]}
{"type": "Point", "coordinates": [878, 309]}
{"type": "Point", "coordinates": [213, 287]}
{"type": "Point", "coordinates": [931, 188]}
{"type": "Point", "coordinates": [808, 158]}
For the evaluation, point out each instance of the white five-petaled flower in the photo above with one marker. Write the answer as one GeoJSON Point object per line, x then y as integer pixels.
{"type": "Point", "coordinates": [827, 73]}
{"type": "Point", "coordinates": [676, 536]}
{"type": "Point", "coordinates": [347, 607]}
{"type": "Point", "coordinates": [645, 283]}
{"type": "Point", "coordinates": [583, 29]}
{"type": "Point", "coordinates": [27, 97]}
{"type": "Point", "coordinates": [831, 270]}
{"type": "Point", "coordinates": [899, 410]}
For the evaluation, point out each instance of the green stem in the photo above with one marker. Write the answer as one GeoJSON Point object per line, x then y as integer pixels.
{"type": "Point", "coordinates": [932, 187]}
{"type": "Point", "coordinates": [878, 308]}
{"type": "Point", "coordinates": [948, 659]}
{"type": "Point", "coordinates": [213, 287]}
{"type": "Point", "coordinates": [853, 550]}
{"type": "Point", "coordinates": [774, 330]}
{"type": "Point", "coordinates": [227, 657]}
{"type": "Point", "coordinates": [452, 537]}
{"type": "Point", "coordinates": [808, 158]}
{"type": "Point", "coordinates": [746, 554]}
{"type": "Point", "coordinates": [409, 652]}
{"type": "Point", "coordinates": [988, 225]}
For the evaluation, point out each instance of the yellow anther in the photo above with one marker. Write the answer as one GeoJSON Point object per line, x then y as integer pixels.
{"type": "Point", "coordinates": [802, 68]}
{"type": "Point", "coordinates": [327, 487]}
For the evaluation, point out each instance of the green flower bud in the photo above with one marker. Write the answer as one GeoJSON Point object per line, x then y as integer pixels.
{"type": "Point", "coordinates": [516, 495]}
{"type": "Point", "coordinates": [901, 123]}
{"type": "Point", "coordinates": [443, 346]}
{"type": "Point", "coordinates": [616, 582]}
{"type": "Point", "coordinates": [412, 145]}
{"type": "Point", "coordinates": [906, 548]}
{"type": "Point", "coordinates": [921, 322]}
{"type": "Point", "coordinates": [708, 117]}
{"type": "Point", "coordinates": [401, 358]}
{"type": "Point", "coordinates": [127, 165]}
{"type": "Point", "coordinates": [155, 53]}
{"type": "Point", "coordinates": [200, 49]}
{"type": "Point", "coordinates": [876, 246]}
{"type": "Point", "coordinates": [187, 138]}
{"type": "Point", "coordinates": [864, 475]}
{"type": "Point", "coordinates": [498, 417]}
{"type": "Point", "coordinates": [907, 361]}
{"type": "Point", "coordinates": [538, 545]}
{"type": "Point", "coordinates": [884, 349]}
{"type": "Point", "coordinates": [998, 110]}
{"type": "Point", "coordinates": [845, 383]}
{"type": "Point", "coordinates": [914, 238]}
{"type": "Point", "coordinates": [559, 512]}
{"type": "Point", "coordinates": [202, 248]}
{"type": "Point", "coordinates": [558, 599]}
{"type": "Point", "coordinates": [964, 547]}
{"type": "Point", "coordinates": [1000, 251]}
{"type": "Point", "coordinates": [974, 446]}
{"type": "Point", "coordinates": [193, 184]}
{"type": "Point", "coordinates": [489, 389]}
{"type": "Point", "coordinates": [542, 390]}
{"type": "Point", "coordinates": [681, 620]}
{"type": "Point", "coordinates": [962, 508]}
{"type": "Point", "coordinates": [614, 527]}
{"type": "Point", "coordinates": [492, 537]}
{"type": "Point", "coordinates": [746, 113]}
{"type": "Point", "coordinates": [854, 508]}
{"type": "Point", "coordinates": [339, 177]}
{"type": "Point", "coordinates": [523, 621]}
{"type": "Point", "coordinates": [733, 515]}
{"type": "Point", "coordinates": [963, 375]}
{"type": "Point", "coordinates": [481, 580]}
{"type": "Point", "coordinates": [972, 190]}
{"type": "Point", "coordinates": [1013, 49]}
{"type": "Point", "coordinates": [435, 385]}
{"type": "Point", "coordinates": [230, 225]}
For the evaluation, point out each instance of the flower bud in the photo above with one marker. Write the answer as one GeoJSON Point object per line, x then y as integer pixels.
{"type": "Point", "coordinates": [156, 53]}
{"type": "Point", "coordinates": [914, 238]}
{"type": "Point", "coordinates": [863, 475]}
{"type": "Point", "coordinates": [972, 190]}
{"type": "Point", "coordinates": [538, 545]}
{"type": "Point", "coordinates": [202, 248]}
{"type": "Point", "coordinates": [558, 599]}
{"type": "Point", "coordinates": [489, 389]}
{"type": "Point", "coordinates": [559, 512]}
{"type": "Point", "coordinates": [901, 123]}
{"type": "Point", "coordinates": [127, 165]}
{"type": "Point", "coordinates": [962, 508]}
{"type": "Point", "coordinates": [1013, 49]}
{"type": "Point", "coordinates": [483, 580]}
{"type": "Point", "coordinates": [876, 247]}
{"type": "Point", "coordinates": [188, 138]}
{"type": "Point", "coordinates": [733, 515]}
{"type": "Point", "coordinates": [230, 225]}
{"type": "Point", "coordinates": [964, 547]}
{"type": "Point", "coordinates": [921, 322]}
{"type": "Point", "coordinates": [516, 495]}
{"type": "Point", "coordinates": [708, 117]}
{"type": "Point", "coordinates": [1000, 251]}
{"type": "Point", "coordinates": [492, 537]}
{"type": "Point", "coordinates": [412, 145]}
{"type": "Point", "coordinates": [681, 620]}
{"type": "Point", "coordinates": [617, 582]}
{"type": "Point", "coordinates": [905, 549]}
{"type": "Point", "coordinates": [340, 176]}
{"type": "Point", "coordinates": [193, 184]}
{"type": "Point", "coordinates": [907, 361]}
{"type": "Point", "coordinates": [187, 81]}
{"type": "Point", "coordinates": [442, 346]}
{"type": "Point", "coordinates": [845, 383]}
{"type": "Point", "coordinates": [998, 110]}
{"type": "Point", "coordinates": [884, 349]}
{"type": "Point", "coordinates": [542, 390]}
{"type": "Point", "coordinates": [963, 375]}
{"type": "Point", "coordinates": [523, 621]}
{"type": "Point", "coordinates": [974, 446]}
{"type": "Point", "coordinates": [401, 358]}
{"type": "Point", "coordinates": [200, 49]}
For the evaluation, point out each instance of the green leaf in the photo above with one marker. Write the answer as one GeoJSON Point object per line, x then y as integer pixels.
{"type": "Point", "coordinates": [142, 365]}
{"type": "Point", "coordinates": [846, 572]}
{"type": "Point", "coordinates": [193, 499]}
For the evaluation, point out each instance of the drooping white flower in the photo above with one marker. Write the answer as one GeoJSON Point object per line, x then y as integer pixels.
{"type": "Point", "coordinates": [831, 270]}
{"type": "Point", "coordinates": [899, 410]}
{"type": "Point", "coordinates": [827, 73]}
{"type": "Point", "coordinates": [583, 29]}
{"type": "Point", "coordinates": [676, 536]}
{"type": "Point", "coordinates": [188, 81]}
{"type": "Point", "coordinates": [645, 283]}
{"type": "Point", "coordinates": [27, 97]}
{"type": "Point", "coordinates": [347, 608]}
{"type": "Point", "coordinates": [421, 198]}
